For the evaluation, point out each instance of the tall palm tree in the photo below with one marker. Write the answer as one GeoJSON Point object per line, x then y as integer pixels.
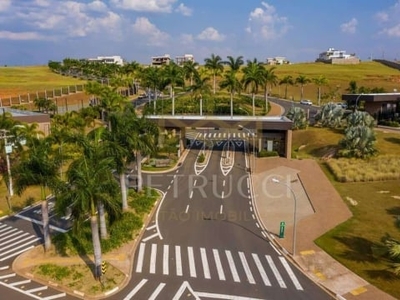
{"type": "Point", "coordinates": [252, 78]}
{"type": "Point", "coordinates": [319, 82]}
{"type": "Point", "coordinates": [302, 80]}
{"type": "Point", "coordinates": [232, 84]}
{"type": "Point", "coordinates": [234, 64]}
{"type": "Point", "coordinates": [38, 166]}
{"type": "Point", "coordinates": [200, 88]}
{"type": "Point", "coordinates": [83, 194]}
{"type": "Point", "coordinates": [287, 80]}
{"type": "Point", "coordinates": [215, 65]}
{"type": "Point", "coordinates": [269, 79]}
{"type": "Point", "coordinates": [152, 78]}
{"type": "Point", "coordinates": [190, 70]}
{"type": "Point", "coordinates": [173, 76]}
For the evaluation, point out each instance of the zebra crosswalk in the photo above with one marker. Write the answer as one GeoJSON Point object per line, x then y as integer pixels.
{"type": "Point", "coordinates": [220, 264]}
{"type": "Point", "coordinates": [193, 135]}
{"type": "Point", "coordinates": [14, 241]}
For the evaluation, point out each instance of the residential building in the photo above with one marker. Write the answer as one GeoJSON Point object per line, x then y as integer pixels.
{"type": "Point", "coordinates": [278, 60]}
{"type": "Point", "coordinates": [180, 60]}
{"type": "Point", "coordinates": [160, 60]}
{"type": "Point", "coordinates": [334, 56]}
{"type": "Point", "coordinates": [116, 59]}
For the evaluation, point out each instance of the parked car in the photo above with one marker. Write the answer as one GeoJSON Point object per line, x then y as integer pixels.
{"type": "Point", "coordinates": [343, 105]}
{"type": "Point", "coordinates": [305, 102]}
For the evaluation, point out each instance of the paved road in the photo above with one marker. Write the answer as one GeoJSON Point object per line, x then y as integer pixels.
{"type": "Point", "coordinates": [205, 239]}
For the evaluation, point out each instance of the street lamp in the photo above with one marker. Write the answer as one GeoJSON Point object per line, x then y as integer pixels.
{"type": "Point", "coordinates": [358, 97]}
{"type": "Point", "coordinates": [241, 127]}
{"type": "Point", "coordinates": [274, 180]}
{"type": "Point", "coordinates": [8, 150]}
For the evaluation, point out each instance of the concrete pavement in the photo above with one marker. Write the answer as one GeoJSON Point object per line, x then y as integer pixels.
{"type": "Point", "coordinates": [319, 208]}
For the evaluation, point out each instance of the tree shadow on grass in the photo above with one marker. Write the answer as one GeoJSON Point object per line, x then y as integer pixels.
{"type": "Point", "coordinates": [359, 249]}
{"type": "Point", "coordinates": [383, 274]}
{"type": "Point", "coordinates": [393, 140]}
{"type": "Point", "coordinates": [394, 211]}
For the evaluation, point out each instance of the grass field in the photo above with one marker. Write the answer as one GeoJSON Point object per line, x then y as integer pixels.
{"type": "Point", "coordinates": [375, 207]}
{"type": "Point", "coordinates": [22, 80]}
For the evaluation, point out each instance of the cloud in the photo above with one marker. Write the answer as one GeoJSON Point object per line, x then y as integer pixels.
{"type": "Point", "coordinates": [265, 22]}
{"type": "Point", "coordinates": [4, 5]}
{"type": "Point", "coordinates": [389, 19]}
{"type": "Point", "coordinates": [210, 34]}
{"type": "Point", "coordinates": [21, 36]}
{"type": "Point", "coordinates": [184, 10]}
{"type": "Point", "coordinates": [163, 6]}
{"type": "Point", "coordinates": [349, 27]}
{"type": "Point", "coordinates": [97, 5]}
{"type": "Point", "coordinates": [186, 39]}
{"type": "Point", "coordinates": [154, 36]}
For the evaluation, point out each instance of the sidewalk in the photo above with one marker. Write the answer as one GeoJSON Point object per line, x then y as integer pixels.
{"type": "Point", "coordinates": [319, 208]}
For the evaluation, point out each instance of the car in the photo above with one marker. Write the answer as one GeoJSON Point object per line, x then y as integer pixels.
{"type": "Point", "coordinates": [343, 105]}
{"type": "Point", "coordinates": [305, 102]}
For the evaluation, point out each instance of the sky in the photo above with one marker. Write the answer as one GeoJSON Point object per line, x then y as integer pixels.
{"type": "Point", "coordinates": [33, 32]}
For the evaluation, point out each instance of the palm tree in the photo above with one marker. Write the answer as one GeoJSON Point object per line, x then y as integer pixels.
{"type": "Point", "coordinates": [320, 81]}
{"type": "Point", "coordinates": [287, 80]}
{"type": "Point", "coordinates": [302, 80]}
{"type": "Point", "coordinates": [151, 77]}
{"type": "Point", "coordinates": [215, 65]}
{"type": "Point", "coordinates": [38, 166]}
{"type": "Point", "coordinates": [200, 88]}
{"type": "Point", "coordinates": [234, 63]}
{"type": "Point", "coordinates": [232, 84]}
{"type": "Point", "coordinates": [83, 194]}
{"type": "Point", "coordinates": [252, 78]}
{"type": "Point", "coordinates": [190, 70]}
{"type": "Point", "coordinates": [269, 79]}
{"type": "Point", "coordinates": [173, 77]}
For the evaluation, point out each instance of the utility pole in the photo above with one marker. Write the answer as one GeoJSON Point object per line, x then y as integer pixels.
{"type": "Point", "coordinates": [8, 149]}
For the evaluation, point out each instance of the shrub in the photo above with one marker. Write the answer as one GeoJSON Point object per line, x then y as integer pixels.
{"type": "Point", "coordinates": [265, 153]}
{"type": "Point", "coordinates": [201, 158]}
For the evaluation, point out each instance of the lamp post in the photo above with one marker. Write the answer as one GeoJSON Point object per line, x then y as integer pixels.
{"type": "Point", "coordinates": [241, 127]}
{"type": "Point", "coordinates": [358, 97]}
{"type": "Point", "coordinates": [8, 150]}
{"type": "Point", "coordinates": [274, 180]}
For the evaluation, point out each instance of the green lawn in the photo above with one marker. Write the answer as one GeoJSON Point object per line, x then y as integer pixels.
{"type": "Point", "coordinates": [21, 80]}
{"type": "Point", "coordinates": [375, 207]}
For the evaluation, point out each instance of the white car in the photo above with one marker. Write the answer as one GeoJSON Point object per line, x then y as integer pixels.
{"type": "Point", "coordinates": [306, 102]}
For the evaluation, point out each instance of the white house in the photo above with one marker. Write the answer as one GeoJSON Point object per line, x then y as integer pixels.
{"type": "Point", "coordinates": [277, 60]}
{"type": "Point", "coordinates": [180, 60]}
{"type": "Point", "coordinates": [336, 57]}
{"type": "Point", "coordinates": [116, 59]}
{"type": "Point", "coordinates": [160, 60]}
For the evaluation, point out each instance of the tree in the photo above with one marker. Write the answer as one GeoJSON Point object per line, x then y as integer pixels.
{"type": "Point", "coordinates": [298, 117]}
{"type": "Point", "coordinates": [269, 79]}
{"type": "Point", "coordinates": [200, 88]}
{"type": "Point", "coordinates": [38, 166]}
{"type": "Point", "coordinates": [389, 250]}
{"type": "Point", "coordinates": [232, 84]}
{"type": "Point", "coordinates": [287, 80]}
{"type": "Point", "coordinates": [302, 80]}
{"type": "Point", "coordinates": [319, 82]}
{"type": "Point", "coordinates": [215, 65]}
{"type": "Point", "coordinates": [83, 194]}
{"type": "Point", "coordinates": [234, 64]}
{"type": "Point", "coordinates": [173, 76]}
{"type": "Point", "coordinates": [353, 88]}
{"type": "Point", "coordinates": [252, 78]}
{"type": "Point", "coordinates": [190, 70]}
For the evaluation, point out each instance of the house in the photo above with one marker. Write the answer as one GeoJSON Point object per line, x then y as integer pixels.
{"type": "Point", "coordinates": [180, 60]}
{"type": "Point", "coordinates": [116, 59]}
{"type": "Point", "coordinates": [26, 116]}
{"type": "Point", "coordinates": [160, 60]}
{"type": "Point", "coordinates": [278, 60]}
{"type": "Point", "coordinates": [334, 56]}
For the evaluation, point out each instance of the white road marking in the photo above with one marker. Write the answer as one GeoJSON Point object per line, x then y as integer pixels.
{"type": "Point", "coordinates": [222, 296]}
{"type": "Point", "coordinates": [204, 261]}
{"type": "Point", "coordinates": [13, 239]}
{"type": "Point", "coordinates": [14, 229]}
{"type": "Point", "coordinates": [153, 258]}
{"type": "Point", "coordinates": [150, 237]}
{"type": "Point", "coordinates": [254, 217]}
{"type": "Point", "coordinates": [223, 182]}
{"type": "Point", "coordinates": [19, 282]}
{"type": "Point", "coordinates": [16, 253]}
{"type": "Point", "coordinates": [187, 209]}
{"type": "Point", "coordinates": [246, 268]}
{"type": "Point", "coordinates": [291, 274]}
{"type": "Point", "coordinates": [261, 270]}
{"type": "Point", "coordinates": [139, 265]}
{"type": "Point", "coordinates": [275, 271]}
{"type": "Point", "coordinates": [166, 260]}
{"type": "Point", "coordinates": [4, 268]}
{"type": "Point", "coordinates": [157, 291]}
{"type": "Point", "coordinates": [41, 223]}
{"type": "Point", "coordinates": [220, 209]}
{"type": "Point", "coordinates": [232, 266]}
{"type": "Point", "coordinates": [38, 289]}
{"type": "Point", "coordinates": [55, 296]}
{"type": "Point", "coordinates": [151, 227]}
{"type": "Point", "coordinates": [273, 247]}
{"type": "Point", "coordinates": [178, 260]}
{"type": "Point", "coordinates": [218, 264]}
{"type": "Point", "coordinates": [136, 289]}
{"type": "Point", "coordinates": [263, 233]}
{"type": "Point", "coordinates": [192, 266]}
{"type": "Point", "coordinates": [8, 276]}
{"type": "Point", "coordinates": [191, 195]}
{"type": "Point", "coordinates": [258, 226]}
{"type": "Point", "coordinates": [31, 238]}
{"type": "Point", "coordinates": [222, 195]}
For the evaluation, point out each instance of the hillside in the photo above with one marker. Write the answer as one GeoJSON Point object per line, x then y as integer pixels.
{"type": "Point", "coordinates": [19, 80]}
